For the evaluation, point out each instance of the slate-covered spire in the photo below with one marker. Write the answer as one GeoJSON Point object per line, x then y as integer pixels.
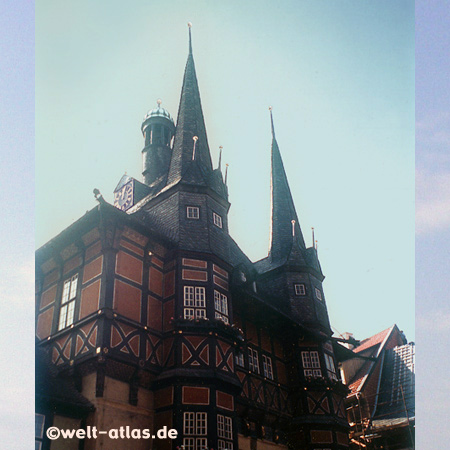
{"type": "Point", "coordinates": [190, 123]}
{"type": "Point", "coordinates": [284, 235]}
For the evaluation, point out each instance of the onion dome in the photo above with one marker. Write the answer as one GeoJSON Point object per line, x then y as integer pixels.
{"type": "Point", "coordinates": [159, 111]}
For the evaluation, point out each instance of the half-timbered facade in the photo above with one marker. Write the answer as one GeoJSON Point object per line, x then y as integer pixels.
{"type": "Point", "coordinates": [153, 313]}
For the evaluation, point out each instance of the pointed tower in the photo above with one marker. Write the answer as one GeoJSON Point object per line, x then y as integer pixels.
{"type": "Point", "coordinates": [191, 158]}
{"type": "Point", "coordinates": [194, 198]}
{"type": "Point", "coordinates": [291, 272]}
{"type": "Point", "coordinates": [285, 232]}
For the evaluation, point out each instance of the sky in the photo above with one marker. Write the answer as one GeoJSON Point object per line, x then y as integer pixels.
{"type": "Point", "coordinates": [340, 78]}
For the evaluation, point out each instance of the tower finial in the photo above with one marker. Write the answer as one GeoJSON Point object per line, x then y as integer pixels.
{"type": "Point", "coordinates": [271, 122]}
{"type": "Point", "coordinates": [313, 239]}
{"type": "Point", "coordinates": [226, 173]}
{"type": "Point", "coordinates": [195, 139]}
{"type": "Point", "coordinates": [190, 38]}
{"type": "Point", "coordinates": [158, 102]}
{"type": "Point", "coordinates": [219, 166]}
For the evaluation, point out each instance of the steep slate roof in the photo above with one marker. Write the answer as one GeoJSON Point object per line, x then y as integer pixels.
{"type": "Point", "coordinates": [283, 209]}
{"type": "Point", "coordinates": [190, 123]}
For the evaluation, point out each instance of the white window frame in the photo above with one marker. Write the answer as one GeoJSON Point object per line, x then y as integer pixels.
{"type": "Point", "coordinates": [194, 302]}
{"type": "Point", "coordinates": [193, 212]}
{"type": "Point", "coordinates": [217, 219]}
{"type": "Point", "coordinates": [331, 368]}
{"type": "Point", "coordinates": [221, 306]}
{"type": "Point", "coordinates": [300, 289]}
{"type": "Point", "coordinates": [267, 367]}
{"type": "Point", "coordinates": [195, 430]}
{"type": "Point", "coordinates": [311, 364]}
{"type": "Point", "coordinates": [253, 360]}
{"type": "Point", "coordinates": [224, 427]}
{"type": "Point", "coordinates": [68, 299]}
{"type": "Point", "coordinates": [240, 359]}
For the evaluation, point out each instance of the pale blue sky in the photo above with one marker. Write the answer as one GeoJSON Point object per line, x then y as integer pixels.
{"type": "Point", "coordinates": [339, 76]}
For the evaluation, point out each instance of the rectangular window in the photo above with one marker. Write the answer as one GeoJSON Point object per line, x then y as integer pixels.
{"type": "Point", "coordinates": [329, 362]}
{"type": "Point", "coordinates": [189, 444]}
{"type": "Point", "coordinates": [66, 313]}
{"type": "Point", "coordinates": [267, 367]}
{"type": "Point", "coordinates": [224, 445]}
{"type": "Point", "coordinates": [318, 294]}
{"type": "Point", "coordinates": [221, 306]}
{"type": "Point", "coordinates": [195, 425]}
{"type": "Point", "coordinates": [189, 423]}
{"type": "Point", "coordinates": [311, 364]}
{"type": "Point", "coordinates": [240, 359]}
{"type": "Point", "coordinates": [201, 423]}
{"type": "Point", "coordinates": [188, 296]}
{"type": "Point", "coordinates": [193, 212]}
{"type": "Point", "coordinates": [300, 289]}
{"type": "Point", "coordinates": [200, 297]}
{"type": "Point", "coordinates": [201, 444]}
{"type": "Point", "coordinates": [194, 300]}
{"type": "Point", "coordinates": [224, 427]}
{"type": "Point", "coordinates": [253, 362]}
{"type": "Point", "coordinates": [217, 220]}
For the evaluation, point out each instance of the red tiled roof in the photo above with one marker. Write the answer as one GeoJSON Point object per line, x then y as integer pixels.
{"type": "Point", "coordinates": [359, 377]}
{"type": "Point", "coordinates": [372, 341]}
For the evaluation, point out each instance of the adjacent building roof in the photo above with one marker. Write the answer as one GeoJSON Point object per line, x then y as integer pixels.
{"type": "Point", "coordinates": [374, 340]}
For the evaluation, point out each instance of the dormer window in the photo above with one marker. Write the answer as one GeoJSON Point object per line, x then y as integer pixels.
{"type": "Point", "coordinates": [193, 212]}
{"type": "Point", "coordinates": [299, 289]}
{"type": "Point", "coordinates": [318, 294]}
{"type": "Point", "coordinates": [217, 220]}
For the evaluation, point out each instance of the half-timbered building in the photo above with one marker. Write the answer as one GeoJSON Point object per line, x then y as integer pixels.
{"type": "Point", "coordinates": [153, 314]}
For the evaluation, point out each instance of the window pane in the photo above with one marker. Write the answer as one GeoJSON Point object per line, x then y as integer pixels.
{"type": "Point", "coordinates": [224, 305]}
{"type": "Point", "coordinates": [73, 287]}
{"type": "Point", "coordinates": [217, 301]}
{"type": "Point", "coordinates": [305, 360]}
{"type": "Point", "coordinates": [201, 424]}
{"type": "Point", "coordinates": [189, 423]}
{"type": "Point", "coordinates": [62, 317]}
{"type": "Point", "coordinates": [200, 297]}
{"type": "Point", "coordinates": [315, 363]}
{"type": "Point", "coordinates": [65, 295]}
{"type": "Point", "coordinates": [188, 296]}
{"type": "Point", "coordinates": [188, 444]}
{"type": "Point", "coordinates": [70, 313]}
{"type": "Point", "coordinates": [200, 313]}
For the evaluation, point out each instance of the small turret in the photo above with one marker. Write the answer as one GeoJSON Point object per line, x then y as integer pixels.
{"type": "Point", "coordinates": [158, 129]}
